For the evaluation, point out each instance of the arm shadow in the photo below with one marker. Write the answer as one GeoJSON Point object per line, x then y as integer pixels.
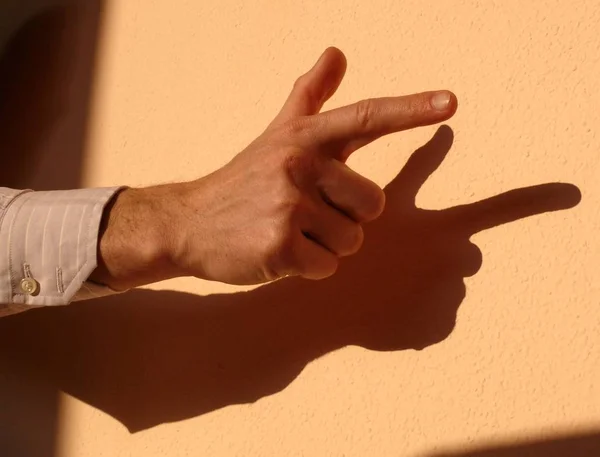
{"type": "Point", "coordinates": [150, 357]}
{"type": "Point", "coordinates": [584, 444]}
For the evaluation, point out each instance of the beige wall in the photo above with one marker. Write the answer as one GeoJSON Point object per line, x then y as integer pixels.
{"type": "Point", "coordinates": [316, 369]}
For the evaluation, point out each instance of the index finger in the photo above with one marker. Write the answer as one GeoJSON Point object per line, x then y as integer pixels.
{"type": "Point", "coordinates": [370, 119]}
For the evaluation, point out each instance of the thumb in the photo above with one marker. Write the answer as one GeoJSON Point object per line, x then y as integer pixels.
{"type": "Point", "coordinates": [314, 88]}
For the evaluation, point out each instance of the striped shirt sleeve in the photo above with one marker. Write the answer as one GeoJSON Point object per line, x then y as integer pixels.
{"type": "Point", "coordinates": [48, 246]}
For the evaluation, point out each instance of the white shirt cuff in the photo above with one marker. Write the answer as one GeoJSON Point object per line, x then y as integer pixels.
{"type": "Point", "coordinates": [49, 246]}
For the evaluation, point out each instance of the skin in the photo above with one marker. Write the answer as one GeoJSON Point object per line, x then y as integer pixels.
{"type": "Point", "coordinates": [287, 205]}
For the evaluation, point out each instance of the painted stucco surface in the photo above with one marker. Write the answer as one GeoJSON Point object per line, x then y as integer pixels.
{"type": "Point", "coordinates": [183, 86]}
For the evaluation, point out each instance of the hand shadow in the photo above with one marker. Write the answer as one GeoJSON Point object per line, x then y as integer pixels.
{"type": "Point", "coordinates": [149, 357]}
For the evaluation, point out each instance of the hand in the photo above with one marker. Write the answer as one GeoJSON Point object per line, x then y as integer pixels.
{"type": "Point", "coordinates": [287, 205]}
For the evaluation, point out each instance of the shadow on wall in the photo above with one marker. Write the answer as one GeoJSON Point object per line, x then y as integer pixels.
{"type": "Point", "coordinates": [580, 445]}
{"type": "Point", "coordinates": [46, 76]}
{"type": "Point", "coordinates": [149, 357]}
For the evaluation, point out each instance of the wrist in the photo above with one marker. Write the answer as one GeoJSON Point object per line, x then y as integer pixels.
{"type": "Point", "coordinates": [135, 241]}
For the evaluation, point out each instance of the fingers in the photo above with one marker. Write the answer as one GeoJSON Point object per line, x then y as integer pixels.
{"type": "Point", "coordinates": [513, 205]}
{"type": "Point", "coordinates": [333, 230]}
{"type": "Point", "coordinates": [328, 217]}
{"type": "Point", "coordinates": [370, 119]}
{"type": "Point", "coordinates": [315, 87]}
{"type": "Point", "coordinates": [352, 194]}
{"type": "Point", "coordinates": [324, 235]}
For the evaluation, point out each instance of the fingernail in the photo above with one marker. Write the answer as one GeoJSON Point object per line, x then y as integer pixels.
{"type": "Point", "coordinates": [441, 101]}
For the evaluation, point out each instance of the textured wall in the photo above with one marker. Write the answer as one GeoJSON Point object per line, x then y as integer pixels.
{"type": "Point", "coordinates": [308, 369]}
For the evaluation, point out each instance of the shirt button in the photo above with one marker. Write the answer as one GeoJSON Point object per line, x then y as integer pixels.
{"type": "Point", "coordinates": [30, 286]}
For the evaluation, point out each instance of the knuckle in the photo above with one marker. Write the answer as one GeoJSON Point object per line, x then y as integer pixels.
{"type": "Point", "coordinates": [292, 161]}
{"type": "Point", "coordinates": [270, 272]}
{"type": "Point", "coordinates": [294, 127]}
{"type": "Point", "coordinates": [300, 83]}
{"type": "Point", "coordinates": [302, 86]}
{"type": "Point", "coordinates": [280, 252]}
{"type": "Point", "coordinates": [364, 111]}
{"type": "Point", "coordinates": [299, 166]}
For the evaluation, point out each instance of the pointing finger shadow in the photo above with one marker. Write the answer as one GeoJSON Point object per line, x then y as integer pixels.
{"type": "Point", "coordinates": [149, 357]}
